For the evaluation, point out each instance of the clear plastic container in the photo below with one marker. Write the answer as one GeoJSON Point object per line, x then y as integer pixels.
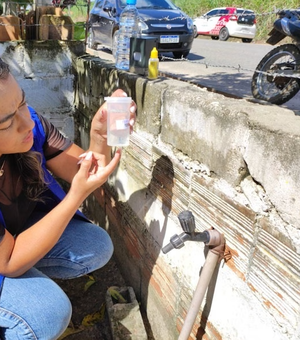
{"type": "Point", "coordinates": [118, 115]}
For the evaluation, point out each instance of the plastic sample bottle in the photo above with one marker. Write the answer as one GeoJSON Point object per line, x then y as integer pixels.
{"type": "Point", "coordinates": [153, 64]}
{"type": "Point", "coordinates": [118, 115]}
{"type": "Point", "coordinates": [129, 27]}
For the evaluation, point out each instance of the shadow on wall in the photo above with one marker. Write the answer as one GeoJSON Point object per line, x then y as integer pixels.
{"type": "Point", "coordinates": [155, 218]}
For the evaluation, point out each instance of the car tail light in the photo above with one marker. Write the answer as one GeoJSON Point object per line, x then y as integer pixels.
{"type": "Point", "coordinates": [233, 18]}
{"type": "Point", "coordinates": [254, 21]}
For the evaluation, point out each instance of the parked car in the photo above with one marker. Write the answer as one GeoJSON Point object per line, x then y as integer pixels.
{"type": "Point", "coordinates": [222, 23]}
{"type": "Point", "coordinates": [159, 19]}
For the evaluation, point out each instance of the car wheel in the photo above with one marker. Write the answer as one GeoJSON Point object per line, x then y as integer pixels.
{"type": "Point", "coordinates": [91, 40]}
{"type": "Point", "coordinates": [114, 44]}
{"type": "Point", "coordinates": [246, 40]}
{"type": "Point", "coordinates": [179, 55]}
{"type": "Point", "coordinates": [195, 32]}
{"type": "Point", "coordinates": [215, 37]}
{"type": "Point", "coordinates": [223, 34]}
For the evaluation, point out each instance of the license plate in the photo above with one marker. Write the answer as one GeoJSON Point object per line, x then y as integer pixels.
{"type": "Point", "coordinates": [167, 39]}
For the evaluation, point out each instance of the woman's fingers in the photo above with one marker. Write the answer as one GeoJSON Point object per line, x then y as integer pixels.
{"type": "Point", "coordinates": [111, 166]}
{"type": "Point", "coordinates": [90, 168]}
{"type": "Point", "coordinates": [119, 93]}
{"type": "Point", "coordinates": [86, 160]}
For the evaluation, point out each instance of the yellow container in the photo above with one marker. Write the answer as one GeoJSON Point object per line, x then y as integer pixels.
{"type": "Point", "coordinates": [153, 64]}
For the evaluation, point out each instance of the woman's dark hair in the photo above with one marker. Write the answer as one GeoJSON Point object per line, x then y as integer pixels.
{"type": "Point", "coordinates": [4, 69]}
{"type": "Point", "coordinates": [28, 163]}
{"type": "Point", "coordinates": [30, 168]}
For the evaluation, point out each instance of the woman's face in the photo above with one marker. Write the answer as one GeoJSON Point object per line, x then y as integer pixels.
{"type": "Point", "coordinates": [15, 122]}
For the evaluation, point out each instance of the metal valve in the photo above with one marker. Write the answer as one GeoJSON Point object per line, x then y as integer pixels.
{"type": "Point", "coordinates": [187, 222]}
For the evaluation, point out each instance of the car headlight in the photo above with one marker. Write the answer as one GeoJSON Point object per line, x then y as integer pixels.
{"type": "Point", "coordinates": [142, 26]}
{"type": "Point", "coordinates": [190, 23]}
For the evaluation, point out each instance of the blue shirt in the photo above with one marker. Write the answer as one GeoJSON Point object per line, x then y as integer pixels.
{"type": "Point", "coordinates": [39, 139]}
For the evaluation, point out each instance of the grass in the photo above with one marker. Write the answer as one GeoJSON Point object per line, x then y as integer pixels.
{"type": "Point", "coordinates": [79, 15]}
{"type": "Point", "coordinates": [79, 30]}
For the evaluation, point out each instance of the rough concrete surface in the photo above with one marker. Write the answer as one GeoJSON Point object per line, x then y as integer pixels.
{"type": "Point", "coordinates": [124, 314]}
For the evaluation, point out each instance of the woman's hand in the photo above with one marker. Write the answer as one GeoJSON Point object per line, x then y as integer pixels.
{"type": "Point", "coordinates": [98, 131]}
{"type": "Point", "coordinates": [21, 253]}
{"type": "Point", "coordinates": [92, 174]}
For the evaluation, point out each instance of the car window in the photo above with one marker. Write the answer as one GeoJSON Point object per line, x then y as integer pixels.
{"type": "Point", "coordinates": [157, 4]}
{"type": "Point", "coordinates": [98, 3]}
{"type": "Point", "coordinates": [170, 4]}
{"type": "Point", "coordinates": [245, 17]}
{"type": "Point", "coordinates": [217, 12]}
{"type": "Point", "coordinates": [107, 3]}
{"type": "Point", "coordinates": [96, 10]}
{"type": "Point", "coordinates": [212, 13]}
{"type": "Point", "coordinates": [223, 11]}
{"type": "Point", "coordinates": [243, 11]}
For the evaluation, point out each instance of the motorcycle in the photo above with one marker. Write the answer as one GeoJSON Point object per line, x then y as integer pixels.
{"type": "Point", "coordinates": [277, 77]}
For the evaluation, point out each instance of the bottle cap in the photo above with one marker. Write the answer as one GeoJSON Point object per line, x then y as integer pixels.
{"type": "Point", "coordinates": [131, 2]}
{"type": "Point", "coordinates": [154, 53]}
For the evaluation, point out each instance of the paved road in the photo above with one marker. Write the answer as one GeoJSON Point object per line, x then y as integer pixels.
{"type": "Point", "coordinates": [226, 67]}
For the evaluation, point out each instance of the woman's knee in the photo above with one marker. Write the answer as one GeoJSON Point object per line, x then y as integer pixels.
{"type": "Point", "coordinates": [39, 310]}
{"type": "Point", "coordinates": [58, 315]}
{"type": "Point", "coordinates": [48, 324]}
{"type": "Point", "coordinates": [83, 248]}
{"type": "Point", "coordinates": [103, 248]}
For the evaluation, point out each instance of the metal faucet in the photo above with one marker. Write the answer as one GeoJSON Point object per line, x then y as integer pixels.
{"type": "Point", "coordinates": [187, 222]}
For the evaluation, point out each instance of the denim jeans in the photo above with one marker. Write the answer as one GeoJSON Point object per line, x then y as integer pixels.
{"type": "Point", "coordinates": [34, 307]}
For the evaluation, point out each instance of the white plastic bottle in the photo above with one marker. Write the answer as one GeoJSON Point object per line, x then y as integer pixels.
{"type": "Point", "coordinates": [129, 27]}
{"type": "Point", "coordinates": [153, 64]}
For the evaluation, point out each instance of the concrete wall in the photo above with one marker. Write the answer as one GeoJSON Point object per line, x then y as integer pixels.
{"type": "Point", "coordinates": [44, 69]}
{"type": "Point", "coordinates": [235, 165]}
{"type": "Point", "coordinates": [232, 163]}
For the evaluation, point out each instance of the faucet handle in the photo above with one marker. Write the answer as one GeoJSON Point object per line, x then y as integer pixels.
{"type": "Point", "coordinates": [187, 221]}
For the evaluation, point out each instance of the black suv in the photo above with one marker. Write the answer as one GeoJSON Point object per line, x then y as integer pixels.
{"type": "Point", "coordinates": [159, 19]}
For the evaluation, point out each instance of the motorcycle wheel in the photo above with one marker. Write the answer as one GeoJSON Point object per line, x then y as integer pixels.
{"type": "Point", "coordinates": [277, 89]}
